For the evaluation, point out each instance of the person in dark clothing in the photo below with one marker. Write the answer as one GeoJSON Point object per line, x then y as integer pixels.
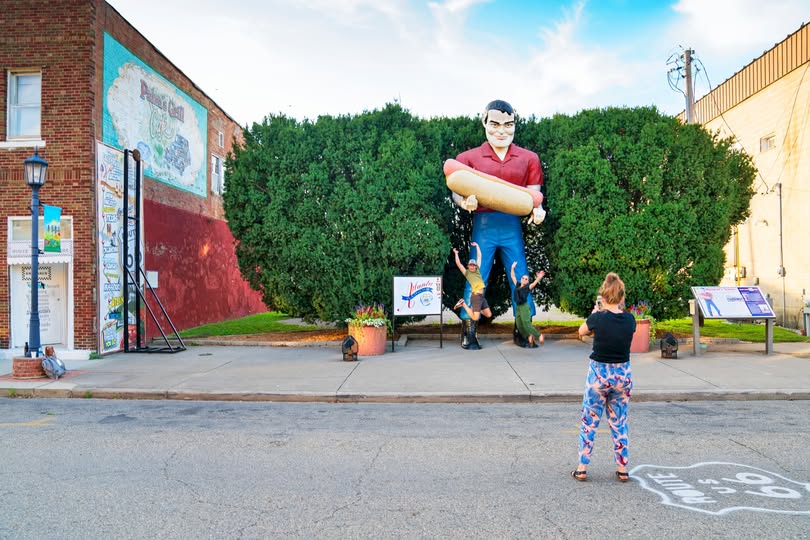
{"type": "Point", "coordinates": [523, 316]}
{"type": "Point", "coordinates": [609, 381]}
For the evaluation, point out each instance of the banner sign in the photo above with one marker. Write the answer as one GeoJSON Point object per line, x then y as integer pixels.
{"type": "Point", "coordinates": [53, 228]}
{"type": "Point", "coordinates": [732, 303]}
{"type": "Point", "coordinates": [417, 295]}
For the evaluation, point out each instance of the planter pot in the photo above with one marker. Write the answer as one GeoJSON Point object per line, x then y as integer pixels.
{"type": "Point", "coordinates": [23, 367]}
{"type": "Point", "coordinates": [370, 339]}
{"type": "Point", "coordinates": [641, 337]}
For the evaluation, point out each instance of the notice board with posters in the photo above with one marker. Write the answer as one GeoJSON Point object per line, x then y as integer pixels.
{"type": "Point", "coordinates": [731, 303]}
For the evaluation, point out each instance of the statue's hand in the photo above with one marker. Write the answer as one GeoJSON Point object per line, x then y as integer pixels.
{"type": "Point", "coordinates": [538, 215]}
{"type": "Point", "coordinates": [470, 203]}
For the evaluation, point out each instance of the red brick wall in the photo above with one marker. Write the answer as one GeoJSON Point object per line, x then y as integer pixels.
{"type": "Point", "coordinates": [59, 38]}
{"type": "Point", "coordinates": [198, 277]}
{"type": "Point", "coordinates": [65, 38]}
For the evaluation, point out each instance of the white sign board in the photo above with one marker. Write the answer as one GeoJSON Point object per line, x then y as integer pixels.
{"type": "Point", "coordinates": [732, 303]}
{"type": "Point", "coordinates": [417, 295]}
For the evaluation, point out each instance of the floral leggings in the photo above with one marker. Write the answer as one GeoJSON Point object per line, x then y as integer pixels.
{"type": "Point", "coordinates": [607, 386]}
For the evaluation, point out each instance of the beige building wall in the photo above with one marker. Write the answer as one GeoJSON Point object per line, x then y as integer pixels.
{"type": "Point", "coordinates": [772, 127]}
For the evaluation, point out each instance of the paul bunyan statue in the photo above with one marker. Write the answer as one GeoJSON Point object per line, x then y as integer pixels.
{"type": "Point", "coordinates": [500, 183]}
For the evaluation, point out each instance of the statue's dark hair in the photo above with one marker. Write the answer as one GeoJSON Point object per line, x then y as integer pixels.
{"type": "Point", "coordinates": [499, 105]}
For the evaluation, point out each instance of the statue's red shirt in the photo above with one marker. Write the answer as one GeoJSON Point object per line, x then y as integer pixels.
{"type": "Point", "coordinates": [520, 166]}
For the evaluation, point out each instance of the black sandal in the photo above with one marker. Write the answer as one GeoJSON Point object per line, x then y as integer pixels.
{"type": "Point", "coordinates": [622, 476]}
{"type": "Point", "coordinates": [579, 476]}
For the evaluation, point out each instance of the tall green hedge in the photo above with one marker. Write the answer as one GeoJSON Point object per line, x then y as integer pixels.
{"type": "Point", "coordinates": [641, 194]}
{"type": "Point", "coordinates": [326, 212]}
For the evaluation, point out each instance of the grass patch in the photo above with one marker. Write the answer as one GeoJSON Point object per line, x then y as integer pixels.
{"type": "Point", "coordinates": [753, 332]}
{"type": "Point", "coordinates": [263, 323]}
{"type": "Point", "coordinates": [260, 323]}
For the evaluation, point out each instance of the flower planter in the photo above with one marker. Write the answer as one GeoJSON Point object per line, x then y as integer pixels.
{"type": "Point", "coordinates": [641, 337]}
{"type": "Point", "coordinates": [370, 339]}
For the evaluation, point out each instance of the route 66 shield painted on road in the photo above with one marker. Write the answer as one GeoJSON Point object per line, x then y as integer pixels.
{"type": "Point", "coordinates": [719, 488]}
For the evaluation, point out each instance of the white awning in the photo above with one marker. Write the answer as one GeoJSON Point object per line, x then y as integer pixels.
{"type": "Point", "coordinates": [43, 260]}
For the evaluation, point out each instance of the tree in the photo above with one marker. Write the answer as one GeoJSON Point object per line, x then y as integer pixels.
{"type": "Point", "coordinates": [325, 213]}
{"type": "Point", "coordinates": [643, 195]}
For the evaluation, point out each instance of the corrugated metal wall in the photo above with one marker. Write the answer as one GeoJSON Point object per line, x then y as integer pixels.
{"type": "Point", "coordinates": [783, 58]}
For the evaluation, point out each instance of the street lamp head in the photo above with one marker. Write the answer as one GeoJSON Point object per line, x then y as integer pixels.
{"type": "Point", "coordinates": [36, 170]}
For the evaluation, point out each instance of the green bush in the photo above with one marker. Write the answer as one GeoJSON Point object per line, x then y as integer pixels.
{"type": "Point", "coordinates": [640, 194]}
{"type": "Point", "coordinates": [326, 212]}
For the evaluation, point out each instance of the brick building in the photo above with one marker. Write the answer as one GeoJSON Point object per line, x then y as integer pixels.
{"type": "Point", "coordinates": [765, 107]}
{"type": "Point", "coordinates": [81, 85]}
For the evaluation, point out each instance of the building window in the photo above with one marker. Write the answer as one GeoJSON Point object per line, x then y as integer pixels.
{"type": "Point", "coordinates": [217, 174]}
{"type": "Point", "coordinates": [766, 143]}
{"type": "Point", "coordinates": [24, 105]}
{"type": "Point", "coordinates": [221, 139]}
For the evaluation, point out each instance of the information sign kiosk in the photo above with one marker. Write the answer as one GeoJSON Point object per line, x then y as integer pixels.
{"type": "Point", "coordinates": [731, 303]}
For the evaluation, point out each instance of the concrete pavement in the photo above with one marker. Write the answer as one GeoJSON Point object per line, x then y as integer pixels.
{"type": "Point", "coordinates": [420, 371]}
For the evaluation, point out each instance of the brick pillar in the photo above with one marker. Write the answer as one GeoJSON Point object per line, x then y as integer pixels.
{"type": "Point", "coordinates": [27, 368]}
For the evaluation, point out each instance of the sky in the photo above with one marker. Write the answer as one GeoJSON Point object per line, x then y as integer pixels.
{"type": "Point", "coordinates": [449, 58]}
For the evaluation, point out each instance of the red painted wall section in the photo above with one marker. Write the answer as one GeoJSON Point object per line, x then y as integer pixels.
{"type": "Point", "coordinates": [198, 275]}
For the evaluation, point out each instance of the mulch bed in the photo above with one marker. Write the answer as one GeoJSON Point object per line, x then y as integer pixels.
{"type": "Point", "coordinates": [332, 334]}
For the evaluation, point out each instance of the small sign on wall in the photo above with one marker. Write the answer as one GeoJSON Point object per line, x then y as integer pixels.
{"type": "Point", "coordinates": [152, 278]}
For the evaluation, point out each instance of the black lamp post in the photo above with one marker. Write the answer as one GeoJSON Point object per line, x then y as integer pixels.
{"type": "Point", "coordinates": [36, 170]}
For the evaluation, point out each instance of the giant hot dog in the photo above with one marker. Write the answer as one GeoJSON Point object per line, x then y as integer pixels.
{"type": "Point", "coordinates": [490, 191]}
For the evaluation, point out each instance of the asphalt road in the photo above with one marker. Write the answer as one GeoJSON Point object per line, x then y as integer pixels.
{"type": "Point", "coordinates": [169, 469]}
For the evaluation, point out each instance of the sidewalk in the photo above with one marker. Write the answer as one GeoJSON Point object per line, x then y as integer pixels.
{"type": "Point", "coordinates": [420, 371]}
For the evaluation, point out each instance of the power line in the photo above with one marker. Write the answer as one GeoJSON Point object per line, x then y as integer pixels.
{"type": "Point", "coordinates": [678, 72]}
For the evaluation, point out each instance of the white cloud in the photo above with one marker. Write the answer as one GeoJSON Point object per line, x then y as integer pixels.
{"type": "Point", "coordinates": [727, 35]}
{"type": "Point", "coordinates": [304, 59]}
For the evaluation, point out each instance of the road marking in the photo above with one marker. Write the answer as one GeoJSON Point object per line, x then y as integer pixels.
{"type": "Point", "coordinates": [33, 423]}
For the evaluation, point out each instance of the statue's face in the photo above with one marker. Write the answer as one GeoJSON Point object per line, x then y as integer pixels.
{"type": "Point", "coordinates": [500, 128]}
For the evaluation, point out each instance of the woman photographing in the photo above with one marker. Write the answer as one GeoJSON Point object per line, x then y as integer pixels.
{"type": "Point", "coordinates": [609, 381]}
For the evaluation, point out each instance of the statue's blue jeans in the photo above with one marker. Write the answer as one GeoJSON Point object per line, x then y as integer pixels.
{"type": "Point", "coordinates": [498, 233]}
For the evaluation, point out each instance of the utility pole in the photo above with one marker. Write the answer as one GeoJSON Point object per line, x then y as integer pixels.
{"type": "Point", "coordinates": [690, 94]}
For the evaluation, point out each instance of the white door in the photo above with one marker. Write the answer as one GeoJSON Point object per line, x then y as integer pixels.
{"type": "Point", "coordinates": [52, 307]}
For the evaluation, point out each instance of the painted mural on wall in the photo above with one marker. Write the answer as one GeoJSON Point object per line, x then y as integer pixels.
{"type": "Point", "coordinates": [110, 196]}
{"type": "Point", "coordinates": [143, 110]}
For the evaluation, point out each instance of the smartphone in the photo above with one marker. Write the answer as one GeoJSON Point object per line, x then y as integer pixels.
{"type": "Point", "coordinates": [599, 302]}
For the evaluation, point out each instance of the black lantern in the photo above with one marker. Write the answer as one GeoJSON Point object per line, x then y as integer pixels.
{"type": "Point", "coordinates": [669, 346]}
{"type": "Point", "coordinates": [349, 349]}
{"type": "Point", "coordinates": [36, 171]}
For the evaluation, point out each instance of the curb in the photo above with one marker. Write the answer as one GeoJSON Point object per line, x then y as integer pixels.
{"type": "Point", "coordinates": [539, 398]}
